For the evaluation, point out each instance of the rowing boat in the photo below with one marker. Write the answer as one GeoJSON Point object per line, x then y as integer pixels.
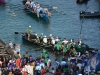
{"type": "Point", "coordinates": [33, 41]}
{"type": "Point", "coordinates": [40, 15]}
{"type": "Point", "coordinates": [89, 14]}
{"type": "Point", "coordinates": [79, 48]}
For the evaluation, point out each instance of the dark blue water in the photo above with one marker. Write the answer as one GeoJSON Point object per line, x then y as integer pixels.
{"type": "Point", "coordinates": [65, 23]}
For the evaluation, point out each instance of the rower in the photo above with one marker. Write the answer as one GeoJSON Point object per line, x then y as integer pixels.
{"type": "Point", "coordinates": [45, 40]}
{"type": "Point", "coordinates": [37, 39]}
{"type": "Point", "coordinates": [45, 10]}
{"type": "Point", "coordinates": [28, 4]}
{"type": "Point", "coordinates": [41, 38]}
{"type": "Point", "coordinates": [32, 3]}
{"type": "Point", "coordinates": [50, 39]}
{"type": "Point", "coordinates": [56, 40]}
{"type": "Point", "coordinates": [28, 31]}
{"type": "Point", "coordinates": [65, 41]}
{"type": "Point", "coordinates": [53, 41]}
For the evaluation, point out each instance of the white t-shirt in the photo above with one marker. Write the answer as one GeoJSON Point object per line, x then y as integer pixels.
{"type": "Point", "coordinates": [45, 40]}
{"type": "Point", "coordinates": [65, 42]}
{"type": "Point", "coordinates": [24, 69]}
{"type": "Point", "coordinates": [28, 67]}
{"type": "Point", "coordinates": [56, 39]}
{"type": "Point", "coordinates": [53, 41]}
{"type": "Point", "coordinates": [11, 44]}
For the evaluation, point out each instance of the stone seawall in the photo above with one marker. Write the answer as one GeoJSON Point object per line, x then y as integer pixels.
{"type": "Point", "coordinates": [5, 49]}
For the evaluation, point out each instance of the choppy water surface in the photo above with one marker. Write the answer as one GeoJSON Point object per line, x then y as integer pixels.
{"type": "Point", "coordinates": [64, 23]}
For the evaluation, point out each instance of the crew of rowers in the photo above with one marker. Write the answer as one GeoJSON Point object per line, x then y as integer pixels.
{"type": "Point", "coordinates": [36, 8]}
{"type": "Point", "coordinates": [58, 46]}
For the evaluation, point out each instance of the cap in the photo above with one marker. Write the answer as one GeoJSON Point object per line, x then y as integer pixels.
{"type": "Point", "coordinates": [30, 26]}
{"type": "Point", "coordinates": [45, 36]}
{"type": "Point", "coordinates": [36, 34]}
{"type": "Point", "coordinates": [50, 34]}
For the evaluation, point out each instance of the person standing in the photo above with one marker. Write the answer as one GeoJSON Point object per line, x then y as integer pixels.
{"type": "Point", "coordinates": [28, 31]}
{"type": "Point", "coordinates": [11, 44]}
{"type": "Point", "coordinates": [43, 53]}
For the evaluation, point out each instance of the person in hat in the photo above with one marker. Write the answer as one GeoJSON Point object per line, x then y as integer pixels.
{"type": "Point", "coordinates": [28, 31]}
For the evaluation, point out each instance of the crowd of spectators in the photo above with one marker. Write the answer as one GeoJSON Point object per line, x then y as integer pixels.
{"type": "Point", "coordinates": [27, 65]}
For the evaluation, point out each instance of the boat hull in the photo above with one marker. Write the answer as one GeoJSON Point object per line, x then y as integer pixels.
{"type": "Point", "coordinates": [51, 47]}
{"type": "Point", "coordinates": [24, 37]}
{"type": "Point", "coordinates": [41, 16]}
{"type": "Point", "coordinates": [81, 1]}
{"type": "Point", "coordinates": [89, 14]}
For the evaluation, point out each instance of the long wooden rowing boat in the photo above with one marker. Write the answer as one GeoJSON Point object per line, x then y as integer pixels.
{"type": "Point", "coordinates": [89, 14]}
{"type": "Point", "coordinates": [43, 16]}
{"type": "Point", "coordinates": [33, 36]}
{"type": "Point", "coordinates": [83, 47]}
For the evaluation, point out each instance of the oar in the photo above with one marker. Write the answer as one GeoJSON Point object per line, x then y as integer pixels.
{"type": "Point", "coordinates": [38, 49]}
{"type": "Point", "coordinates": [22, 32]}
{"type": "Point", "coordinates": [82, 24]}
{"type": "Point", "coordinates": [54, 8]}
{"type": "Point", "coordinates": [61, 12]}
{"type": "Point", "coordinates": [86, 8]}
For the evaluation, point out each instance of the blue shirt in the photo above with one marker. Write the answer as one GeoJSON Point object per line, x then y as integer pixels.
{"type": "Point", "coordinates": [32, 3]}
{"type": "Point", "coordinates": [57, 64]}
{"type": "Point", "coordinates": [63, 64]}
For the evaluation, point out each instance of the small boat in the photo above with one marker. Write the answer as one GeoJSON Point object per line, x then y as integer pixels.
{"type": "Point", "coordinates": [33, 41]}
{"type": "Point", "coordinates": [41, 15]}
{"type": "Point", "coordinates": [2, 1]}
{"type": "Point", "coordinates": [84, 14]}
{"type": "Point", "coordinates": [79, 48]}
{"type": "Point", "coordinates": [81, 1]}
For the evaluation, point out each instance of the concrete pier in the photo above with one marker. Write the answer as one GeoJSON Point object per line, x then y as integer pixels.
{"type": "Point", "coordinates": [5, 49]}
